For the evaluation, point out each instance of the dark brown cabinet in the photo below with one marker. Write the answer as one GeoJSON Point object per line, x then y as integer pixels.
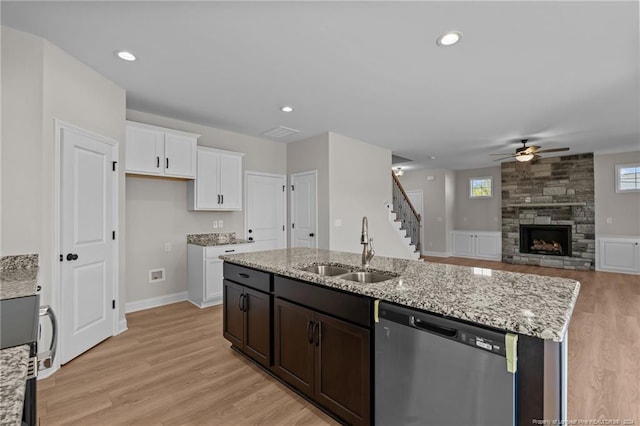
{"type": "Point", "coordinates": [247, 320]}
{"type": "Point", "coordinates": [325, 358]}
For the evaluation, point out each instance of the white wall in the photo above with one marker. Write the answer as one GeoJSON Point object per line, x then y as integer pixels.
{"type": "Point", "coordinates": [157, 209]}
{"type": "Point", "coordinates": [360, 185]}
{"type": "Point", "coordinates": [41, 83]}
{"type": "Point", "coordinates": [622, 208]}
{"type": "Point", "coordinates": [439, 196]}
{"type": "Point", "coordinates": [480, 214]}
{"type": "Point", "coordinates": [313, 154]}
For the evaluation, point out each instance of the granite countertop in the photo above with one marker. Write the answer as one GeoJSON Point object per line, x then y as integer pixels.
{"type": "Point", "coordinates": [18, 278]}
{"type": "Point", "coordinates": [533, 305]}
{"type": "Point", "coordinates": [215, 239]}
{"type": "Point", "coordinates": [13, 375]}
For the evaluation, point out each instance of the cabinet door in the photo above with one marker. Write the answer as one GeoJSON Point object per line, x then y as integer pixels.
{"type": "Point", "coordinates": [180, 155]}
{"type": "Point", "coordinates": [231, 181]}
{"type": "Point", "coordinates": [257, 326]}
{"type": "Point", "coordinates": [213, 279]}
{"type": "Point", "coordinates": [144, 151]}
{"type": "Point", "coordinates": [342, 369]}
{"type": "Point", "coordinates": [293, 350]}
{"type": "Point", "coordinates": [233, 316]}
{"type": "Point", "coordinates": [618, 255]}
{"type": "Point", "coordinates": [488, 247]}
{"type": "Point", "coordinates": [463, 244]}
{"type": "Point", "coordinates": [207, 185]}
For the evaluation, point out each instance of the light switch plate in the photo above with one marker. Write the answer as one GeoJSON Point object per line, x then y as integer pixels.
{"type": "Point", "coordinates": [220, 223]}
{"type": "Point", "coordinates": [215, 224]}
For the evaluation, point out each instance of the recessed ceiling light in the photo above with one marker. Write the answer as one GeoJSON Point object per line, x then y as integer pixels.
{"type": "Point", "coordinates": [126, 56]}
{"type": "Point", "coordinates": [449, 39]}
{"type": "Point", "coordinates": [286, 108]}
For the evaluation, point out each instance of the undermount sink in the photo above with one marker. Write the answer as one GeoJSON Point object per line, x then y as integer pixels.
{"type": "Point", "coordinates": [367, 277]}
{"type": "Point", "coordinates": [326, 270]}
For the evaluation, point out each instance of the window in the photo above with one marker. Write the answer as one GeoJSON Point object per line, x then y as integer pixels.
{"type": "Point", "coordinates": [481, 187]}
{"type": "Point", "coordinates": [628, 177]}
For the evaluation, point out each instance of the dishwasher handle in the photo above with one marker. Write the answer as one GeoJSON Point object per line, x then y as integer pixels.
{"type": "Point", "coordinates": [431, 327]}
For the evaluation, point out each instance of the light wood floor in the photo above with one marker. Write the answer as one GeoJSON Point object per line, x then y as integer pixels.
{"type": "Point", "coordinates": [174, 367]}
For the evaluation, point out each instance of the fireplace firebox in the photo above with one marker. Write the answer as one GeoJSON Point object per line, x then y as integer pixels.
{"type": "Point", "coordinates": [552, 240]}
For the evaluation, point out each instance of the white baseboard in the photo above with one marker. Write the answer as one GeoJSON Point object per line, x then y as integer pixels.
{"type": "Point", "coordinates": [122, 326]}
{"type": "Point", "coordinates": [436, 254]}
{"type": "Point", "coordinates": [154, 302]}
{"type": "Point", "coordinates": [211, 302]}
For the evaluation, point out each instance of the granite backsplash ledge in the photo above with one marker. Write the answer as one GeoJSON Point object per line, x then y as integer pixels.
{"type": "Point", "coordinates": [18, 261]}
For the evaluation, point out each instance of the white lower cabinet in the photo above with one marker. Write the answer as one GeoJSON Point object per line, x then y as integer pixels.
{"type": "Point", "coordinates": [204, 271]}
{"type": "Point", "coordinates": [477, 244]}
{"type": "Point", "coordinates": [618, 254]}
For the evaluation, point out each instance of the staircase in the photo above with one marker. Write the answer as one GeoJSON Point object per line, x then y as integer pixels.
{"type": "Point", "coordinates": [404, 218]}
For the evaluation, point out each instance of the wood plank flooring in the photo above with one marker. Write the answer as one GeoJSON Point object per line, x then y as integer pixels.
{"type": "Point", "coordinates": [174, 367]}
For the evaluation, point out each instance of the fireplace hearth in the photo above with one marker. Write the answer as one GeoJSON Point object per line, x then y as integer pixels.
{"type": "Point", "coordinates": [553, 240]}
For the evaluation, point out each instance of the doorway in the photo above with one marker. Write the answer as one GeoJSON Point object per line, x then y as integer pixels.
{"type": "Point", "coordinates": [304, 214]}
{"type": "Point", "coordinates": [265, 210]}
{"type": "Point", "coordinates": [86, 279]}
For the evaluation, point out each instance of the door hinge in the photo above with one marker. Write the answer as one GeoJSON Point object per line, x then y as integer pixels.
{"type": "Point", "coordinates": [113, 165]}
{"type": "Point", "coordinates": [293, 226]}
{"type": "Point", "coordinates": [282, 229]}
{"type": "Point", "coordinates": [293, 188]}
{"type": "Point", "coordinates": [113, 235]}
{"type": "Point", "coordinates": [113, 304]}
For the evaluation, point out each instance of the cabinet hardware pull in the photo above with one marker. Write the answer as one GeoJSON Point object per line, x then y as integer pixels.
{"type": "Point", "coordinates": [243, 275]}
{"type": "Point", "coordinates": [222, 202]}
{"type": "Point", "coordinates": [316, 333]}
{"type": "Point", "coordinates": [158, 162]}
{"type": "Point", "coordinates": [167, 163]}
{"type": "Point", "coordinates": [229, 251]}
{"type": "Point", "coordinates": [245, 303]}
{"type": "Point", "coordinates": [310, 332]}
{"type": "Point", "coordinates": [240, 303]}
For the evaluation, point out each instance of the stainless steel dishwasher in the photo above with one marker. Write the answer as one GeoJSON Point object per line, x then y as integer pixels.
{"type": "Point", "coordinates": [434, 371]}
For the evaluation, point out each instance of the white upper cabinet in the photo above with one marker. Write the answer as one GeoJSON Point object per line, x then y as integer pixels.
{"type": "Point", "coordinates": [152, 150]}
{"type": "Point", "coordinates": [218, 183]}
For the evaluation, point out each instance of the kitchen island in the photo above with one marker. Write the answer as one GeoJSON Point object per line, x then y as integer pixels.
{"type": "Point", "coordinates": [535, 308]}
{"type": "Point", "coordinates": [18, 278]}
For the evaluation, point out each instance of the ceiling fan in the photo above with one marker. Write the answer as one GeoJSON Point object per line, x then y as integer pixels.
{"type": "Point", "coordinates": [528, 153]}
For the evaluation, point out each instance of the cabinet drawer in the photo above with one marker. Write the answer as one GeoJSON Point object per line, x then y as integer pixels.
{"type": "Point", "coordinates": [215, 251]}
{"type": "Point", "coordinates": [351, 307]}
{"type": "Point", "coordinates": [249, 277]}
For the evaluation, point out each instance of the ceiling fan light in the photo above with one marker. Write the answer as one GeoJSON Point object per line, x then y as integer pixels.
{"type": "Point", "coordinates": [524, 157]}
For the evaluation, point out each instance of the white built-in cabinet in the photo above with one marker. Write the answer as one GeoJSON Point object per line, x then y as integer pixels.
{"type": "Point", "coordinates": [204, 271]}
{"type": "Point", "coordinates": [218, 183]}
{"type": "Point", "coordinates": [157, 151]}
{"type": "Point", "coordinates": [477, 244]}
{"type": "Point", "coordinates": [618, 254]}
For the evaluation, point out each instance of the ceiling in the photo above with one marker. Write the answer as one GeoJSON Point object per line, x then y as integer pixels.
{"type": "Point", "coordinates": [562, 73]}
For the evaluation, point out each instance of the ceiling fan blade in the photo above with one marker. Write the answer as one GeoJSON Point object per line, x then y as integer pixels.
{"type": "Point", "coordinates": [531, 149]}
{"type": "Point", "coordinates": [552, 150]}
{"type": "Point", "coordinates": [504, 158]}
{"type": "Point", "coordinates": [503, 154]}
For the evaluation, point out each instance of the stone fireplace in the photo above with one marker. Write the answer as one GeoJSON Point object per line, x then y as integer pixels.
{"type": "Point", "coordinates": [548, 212]}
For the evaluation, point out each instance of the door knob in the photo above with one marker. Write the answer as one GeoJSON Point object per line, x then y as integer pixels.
{"type": "Point", "coordinates": [72, 256]}
{"type": "Point", "coordinates": [311, 234]}
{"type": "Point", "coordinates": [250, 238]}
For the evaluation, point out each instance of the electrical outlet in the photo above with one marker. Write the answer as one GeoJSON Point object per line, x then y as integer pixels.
{"type": "Point", "coordinates": [215, 224]}
{"type": "Point", "coordinates": [220, 223]}
{"type": "Point", "coordinates": [609, 220]}
{"type": "Point", "coordinates": [167, 246]}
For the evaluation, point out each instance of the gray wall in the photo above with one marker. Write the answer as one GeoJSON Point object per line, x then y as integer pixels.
{"type": "Point", "coordinates": [360, 185]}
{"type": "Point", "coordinates": [313, 154]}
{"type": "Point", "coordinates": [157, 209]}
{"type": "Point", "coordinates": [439, 195]}
{"type": "Point", "coordinates": [41, 83]}
{"type": "Point", "coordinates": [480, 214]}
{"type": "Point", "coordinates": [623, 208]}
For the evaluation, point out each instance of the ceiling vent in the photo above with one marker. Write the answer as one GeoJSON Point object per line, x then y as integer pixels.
{"type": "Point", "coordinates": [280, 132]}
{"type": "Point", "coordinates": [396, 159]}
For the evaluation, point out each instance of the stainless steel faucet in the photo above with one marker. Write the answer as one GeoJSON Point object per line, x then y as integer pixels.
{"type": "Point", "coordinates": [367, 244]}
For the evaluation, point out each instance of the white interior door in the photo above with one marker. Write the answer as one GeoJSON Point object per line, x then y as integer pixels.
{"type": "Point", "coordinates": [304, 199]}
{"type": "Point", "coordinates": [264, 212]}
{"type": "Point", "coordinates": [417, 200]}
{"type": "Point", "coordinates": [86, 242]}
